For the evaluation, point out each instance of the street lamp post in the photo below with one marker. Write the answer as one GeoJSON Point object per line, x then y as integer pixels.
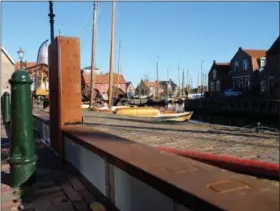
{"type": "Point", "coordinates": [20, 53]}
{"type": "Point", "coordinates": [51, 15]}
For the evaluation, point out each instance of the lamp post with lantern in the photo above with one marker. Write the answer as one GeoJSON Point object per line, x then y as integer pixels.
{"type": "Point", "coordinates": [20, 53]}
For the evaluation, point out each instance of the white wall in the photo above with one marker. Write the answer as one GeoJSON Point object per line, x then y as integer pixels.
{"type": "Point", "coordinates": [7, 71]}
{"type": "Point", "coordinates": [130, 194]}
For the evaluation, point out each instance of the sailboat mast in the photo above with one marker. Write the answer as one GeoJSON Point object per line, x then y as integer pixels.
{"type": "Point", "coordinates": [119, 59]}
{"type": "Point", "coordinates": [157, 78]}
{"type": "Point", "coordinates": [179, 79]}
{"type": "Point", "coordinates": [112, 54]}
{"type": "Point", "coordinates": [167, 84]}
{"type": "Point", "coordinates": [92, 75]}
{"type": "Point", "coordinates": [183, 82]}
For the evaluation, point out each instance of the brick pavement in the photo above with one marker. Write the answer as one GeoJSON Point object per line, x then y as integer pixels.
{"type": "Point", "coordinates": [216, 139]}
{"type": "Point", "coordinates": [57, 185]}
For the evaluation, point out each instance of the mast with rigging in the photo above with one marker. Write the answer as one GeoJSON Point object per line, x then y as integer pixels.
{"type": "Point", "coordinates": [92, 75]}
{"type": "Point", "coordinates": [112, 54]}
{"type": "Point", "coordinates": [119, 59]}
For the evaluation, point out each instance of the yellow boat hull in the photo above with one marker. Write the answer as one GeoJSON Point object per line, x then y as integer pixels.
{"type": "Point", "coordinates": [179, 117]}
{"type": "Point", "coordinates": [138, 111]}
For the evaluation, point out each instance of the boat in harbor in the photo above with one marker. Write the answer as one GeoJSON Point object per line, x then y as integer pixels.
{"type": "Point", "coordinates": [154, 113]}
{"type": "Point", "coordinates": [175, 117]}
{"type": "Point", "coordinates": [138, 111]}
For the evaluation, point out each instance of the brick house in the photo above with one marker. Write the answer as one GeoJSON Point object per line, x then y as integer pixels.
{"type": "Point", "coordinates": [7, 67]}
{"type": "Point", "coordinates": [219, 79]}
{"type": "Point", "coordinates": [269, 77]}
{"type": "Point", "coordinates": [149, 88]}
{"type": "Point", "coordinates": [169, 86]}
{"type": "Point", "coordinates": [244, 68]}
{"type": "Point", "coordinates": [101, 84]}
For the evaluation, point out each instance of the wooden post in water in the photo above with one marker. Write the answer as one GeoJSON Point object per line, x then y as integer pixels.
{"type": "Point", "coordinates": [112, 54]}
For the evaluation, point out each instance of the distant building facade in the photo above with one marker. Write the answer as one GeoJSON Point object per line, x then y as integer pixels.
{"type": "Point", "coordinates": [130, 90]}
{"type": "Point", "coordinates": [101, 83]}
{"type": "Point", "coordinates": [169, 87]}
{"type": "Point", "coordinates": [245, 67]}
{"type": "Point", "coordinates": [219, 79]}
{"type": "Point", "coordinates": [149, 88]}
{"type": "Point", "coordinates": [7, 70]}
{"type": "Point", "coordinates": [269, 76]}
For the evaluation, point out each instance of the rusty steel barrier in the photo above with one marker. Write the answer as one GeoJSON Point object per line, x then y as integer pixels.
{"type": "Point", "coordinates": [245, 166]}
{"type": "Point", "coordinates": [196, 185]}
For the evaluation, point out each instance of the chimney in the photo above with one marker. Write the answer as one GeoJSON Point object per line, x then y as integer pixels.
{"type": "Point", "coordinates": [240, 48]}
{"type": "Point", "coordinates": [214, 61]}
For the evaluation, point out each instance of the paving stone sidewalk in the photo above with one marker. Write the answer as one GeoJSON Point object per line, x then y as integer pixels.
{"type": "Point", "coordinates": [57, 186]}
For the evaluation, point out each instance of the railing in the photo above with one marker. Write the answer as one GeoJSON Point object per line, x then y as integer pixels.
{"type": "Point", "coordinates": [136, 177]}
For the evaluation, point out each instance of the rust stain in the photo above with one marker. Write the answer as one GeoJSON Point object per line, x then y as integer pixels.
{"type": "Point", "coordinates": [226, 186]}
{"type": "Point", "coordinates": [179, 170]}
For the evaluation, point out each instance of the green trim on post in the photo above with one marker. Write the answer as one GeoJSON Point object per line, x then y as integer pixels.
{"type": "Point", "coordinates": [22, 152]}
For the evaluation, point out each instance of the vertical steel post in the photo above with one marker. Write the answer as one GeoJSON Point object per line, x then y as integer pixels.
{"type": "Point", "coordinates": [5, 108]}
{"type": "Point", "coordinates": [22, 152]}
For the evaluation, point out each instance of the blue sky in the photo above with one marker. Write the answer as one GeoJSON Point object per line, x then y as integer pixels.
{"type": "Point", "coordinates": [178, 32]}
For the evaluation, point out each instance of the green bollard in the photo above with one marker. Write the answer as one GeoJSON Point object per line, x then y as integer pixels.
{"type": "Point", "coordinates": [22, 152]}
{"type": "Point", "coordinates": [5, 107]}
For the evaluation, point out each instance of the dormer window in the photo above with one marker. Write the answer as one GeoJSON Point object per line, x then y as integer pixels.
{"type": "Point", "coordinates": [214, 74]}
{"type": "Point", "coordinates": [262, 62]}
{"type": "Point", "coordinates": [236, 66]}
{"type": "Point", "coordinates": [245, 64]}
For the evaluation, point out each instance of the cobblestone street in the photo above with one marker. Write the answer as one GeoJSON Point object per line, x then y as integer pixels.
{"type": "Point", "coordinates": [58, 187]}
{"type": "Point", "coordinates": [215, 139]}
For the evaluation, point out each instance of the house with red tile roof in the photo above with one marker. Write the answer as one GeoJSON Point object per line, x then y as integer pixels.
{"type": "Point", "coordinates": [244, 68]}
{"type": "Point", "coordinates": [219, 79]}
{"type": "Point", "coordinates": [25, 65]}
{"type": "Point", "coordinates": [101, 83]}
{"type": "Point", "coordinates": [149, 88]}
{"type": "Point", "coordinates": [270, 75]}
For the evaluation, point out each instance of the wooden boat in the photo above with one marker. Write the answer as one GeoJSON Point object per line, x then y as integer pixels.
{"type": "Point", "coordinates": [113, 109]}
{"type": "Point", "coordinates": [138, 111]}
{"type": "Point", "coordinates": [85, 106]}
{"type": "Point", "coordinates": [177, 117]}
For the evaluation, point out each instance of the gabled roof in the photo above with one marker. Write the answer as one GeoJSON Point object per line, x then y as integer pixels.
{"type": "Point", "coordinates": [28, 65]}
{"type": "Point", "coordinates": [129, 83]}
{"type": "Point", "coordinates": [104, 78]}
{"type": "Point", "coordinates": [151, 83]}
{"type": "Point", "coordinates": [274, 49]}
{"type": "Point", "coordinates": [255, 53]}
{"type": "Point", "coordinates": [8, 56]}
{"type": "Point", "coordinates": [220, 66]}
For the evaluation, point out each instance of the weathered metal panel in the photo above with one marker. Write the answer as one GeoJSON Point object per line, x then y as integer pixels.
{"type": "Point", "coordinates": [90, 165]}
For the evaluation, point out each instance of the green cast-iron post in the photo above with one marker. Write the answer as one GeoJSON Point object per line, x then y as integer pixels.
{"type": "Point", "coordinates": [5, 108]}
{"type": "Point", "coordinates": [22, 152]}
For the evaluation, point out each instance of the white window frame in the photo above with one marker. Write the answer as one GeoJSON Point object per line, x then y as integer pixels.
{"type": "Point", "coordinates": [262, 62]}
{"type": "Point", "coordinates": [217, 85]}
{"type": "Point", "coordinates": [245, 64]}
{"type": "Point", "coordinates": [212, 86]}
{"type": "Point", "coordinates": [214, 74]}
{"type": "Point", "coordinates": [236, 66]}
